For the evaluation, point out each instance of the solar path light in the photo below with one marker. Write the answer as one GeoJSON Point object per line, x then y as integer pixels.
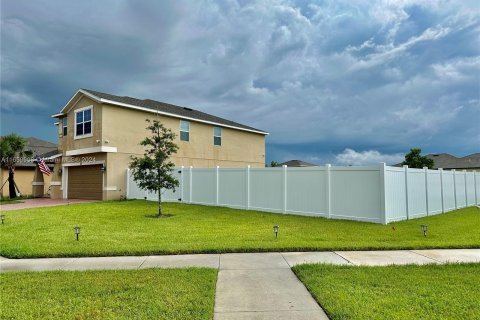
{"type": "Point", "coordinates": [424, 229]}
{"type": "Point", "coordinates": [275, 230]}
{"type": "Point", "coordinates": [2, 217]}
{"type": "Point", "coordinates": [77, 231]}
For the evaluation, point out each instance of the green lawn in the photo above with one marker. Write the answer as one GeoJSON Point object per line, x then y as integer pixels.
{"type": "Point", "coordinates": [449, 291]}
{"type": "Point", "coordinates": [124, 228]}
{"type": "Point", "coordinates": [126, 294]}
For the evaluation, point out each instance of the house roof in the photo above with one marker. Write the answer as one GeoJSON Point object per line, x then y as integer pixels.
{"type": "Point", "coordinates": [39, 148]}
{"type": "Point", "coordinates": [448, 161]}
{"type": "Point", "coordinates": [297, 163]}
{"type": "Point", "coordinates": [161, 108]}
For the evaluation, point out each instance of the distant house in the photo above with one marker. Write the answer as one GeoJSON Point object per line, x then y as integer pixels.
{"type": "Point", "coordinates": [24, 171]}
{"type": "Point", "coordinates": [297, 163]}
{"type": "Point", "coordinates": [448, 161]}
{"type": "Point", "coordinates": [99, 132]}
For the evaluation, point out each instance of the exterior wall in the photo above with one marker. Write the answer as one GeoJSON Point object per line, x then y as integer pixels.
{"type": "Point", "coordinates": [198, 152]}
{"type": "Point", "coordinates": [23, 179]}
{"type": "Point", "coordinates": [69, 142]}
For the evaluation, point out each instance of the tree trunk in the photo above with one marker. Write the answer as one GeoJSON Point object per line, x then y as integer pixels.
{"type": "Point", "coordinates": [11, 185]}
{"type": "Point", "coordinates": [159, 203]}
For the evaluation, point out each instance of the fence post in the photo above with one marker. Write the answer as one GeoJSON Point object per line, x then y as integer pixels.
{"type": "Point", "coordinates": [247, 187]}
{"type": "Point", "coordinates": [466, 196]}
{"type": "Point", "coordinates": [426, 188]}
{"type": "Point", "coordinates": [441, 189]}
{"type": "Point", "coordinates": [455, 187]}
{"type": "Point", "coordinates": [181, 183]}
{"type": "Point", "coordinates": [383, 200]}
{"type": "Point", "coordinates": [328, 190]}
{"type": "Point", "coordinates": [405, 168]}
{"type": "Point", "coordinates": [191, 183]}
{"type": "Point", "coordinates": [217, 184]}
{"type": "Point", "coordinates": [284, 172]}
{"type": "Point", "coordinates": [127, 186]}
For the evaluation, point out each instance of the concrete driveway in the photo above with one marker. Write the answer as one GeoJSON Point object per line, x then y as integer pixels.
{"type": "Point", "coordinates": [41, 202]}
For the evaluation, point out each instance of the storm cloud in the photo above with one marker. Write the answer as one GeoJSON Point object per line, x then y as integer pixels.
{"type": "Point", "coordinates": [332, 81]}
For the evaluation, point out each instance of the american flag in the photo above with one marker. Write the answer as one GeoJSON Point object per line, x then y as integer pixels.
{"type": "Point", "coordinates": [43, 167]}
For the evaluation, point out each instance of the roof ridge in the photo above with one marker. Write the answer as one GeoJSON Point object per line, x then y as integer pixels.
{"type": "Point", "coordinates": [176, 110]}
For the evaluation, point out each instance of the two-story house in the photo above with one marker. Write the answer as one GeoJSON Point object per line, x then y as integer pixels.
{"type": "Point", "coordinates": [99, 132]}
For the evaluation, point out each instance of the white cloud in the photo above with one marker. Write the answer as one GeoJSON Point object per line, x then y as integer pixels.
{"type": "Point", "coordinates": [352, 157]}
{"type": "Point", "coordinates": [18, 100]}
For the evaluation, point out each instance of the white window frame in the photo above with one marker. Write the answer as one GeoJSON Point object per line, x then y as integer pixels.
{"type": "Point", "coordinates": [91, 125]}
{"type": "Point", "coordinates": [64, 126]}
{"type": "Point", "coordinates": [216, 136]}
{"type": "Point", "coordinates": [188, 122]}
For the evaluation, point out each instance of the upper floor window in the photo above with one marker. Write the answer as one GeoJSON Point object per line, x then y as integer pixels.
{"type": "Point", "coordinates": [184, 130]}
{"type": "Point", "coordinates": [65, 126]}
{"type": "Point", "coordinates": [83, 122]}
{"type": "Point", "coordinates": [217, 136]}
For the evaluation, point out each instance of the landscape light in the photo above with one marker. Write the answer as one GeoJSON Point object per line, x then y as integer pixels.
{"type": "Point", "coordinates": [424, 229]}
{"type": "Point", "coordinates": [275, 230]}
{"type": "Point", "coordinates": [77, 231]}
{"type": "Point", "coordinates": [2, 217]}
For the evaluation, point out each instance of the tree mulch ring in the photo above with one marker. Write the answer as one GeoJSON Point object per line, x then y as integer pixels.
{"type": "Point", "coordinates": [156, 216]}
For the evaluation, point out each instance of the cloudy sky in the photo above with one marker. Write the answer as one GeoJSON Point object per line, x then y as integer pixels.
{"type": "Point", "coordinates": [343, 82]}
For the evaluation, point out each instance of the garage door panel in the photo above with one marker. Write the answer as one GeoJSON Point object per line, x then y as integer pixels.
{"type": "Point", "coordinates": [85, 182]}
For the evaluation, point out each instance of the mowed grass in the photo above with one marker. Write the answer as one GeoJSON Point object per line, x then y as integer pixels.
{"type": "Point", "coordinates": [126, 228]}
{"type": "Point", "coordinates": [449, 291]}
{"type": "Point", "coordinates": [119, 294]}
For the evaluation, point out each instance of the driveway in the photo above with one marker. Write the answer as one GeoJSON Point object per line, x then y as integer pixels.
{"type": "Point", "coordinates": [41, 202]}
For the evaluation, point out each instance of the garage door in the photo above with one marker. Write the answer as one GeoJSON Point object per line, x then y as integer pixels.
{"type": "Point", "coordinates": [85, 182]}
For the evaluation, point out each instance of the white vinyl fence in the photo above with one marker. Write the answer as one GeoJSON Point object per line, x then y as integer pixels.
{"type": "Point", "coordinates": [379, 194]}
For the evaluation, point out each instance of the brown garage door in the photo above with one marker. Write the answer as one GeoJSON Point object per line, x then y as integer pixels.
{"type": "Point", "coordinates": [85, 182]}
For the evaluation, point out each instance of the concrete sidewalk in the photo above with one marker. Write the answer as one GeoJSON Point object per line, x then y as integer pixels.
{"type": "Point", "coordinates": [253, 285]}
{"type": "Point", "coordinates": [224, 261]}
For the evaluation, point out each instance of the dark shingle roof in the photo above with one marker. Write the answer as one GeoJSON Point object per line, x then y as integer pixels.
{"type": "Point", "coordinates": [39, 148]}
{"type": "Point", "coordinates": [447, 161]}
{"type": "Point", "coordinates": [170, 108]}
{"type": "Point", "coordinates": [297, 163]}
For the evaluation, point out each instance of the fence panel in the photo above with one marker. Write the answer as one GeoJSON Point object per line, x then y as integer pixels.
{"type": "Point", "coordinates": [204, 186]}
{"type": "Point", "coordinates": [470, 183]}
{"type": "Point", "coordinates": [355, 193]}
{"type": "Point", "coordinates": [434, 192]}
{"type": "Point", "coordinates": [477, 187]}
{"type": "Point", "coordinates": [395, 195]}
{"type": "Point", "coordinates": [133, 191]}
{"type": "Point", "coordinates": [266, 189]}
{"type": "Point", "coordinates": [306, 190]}
{"type": "Point", "coordinates": [460, 189]}
{"type": "Point", "coordinates": [417, 204]}
{"type": "Point", "coordinates": [232, 187]}
{"type": "Point", "coordinates": [448, 191]}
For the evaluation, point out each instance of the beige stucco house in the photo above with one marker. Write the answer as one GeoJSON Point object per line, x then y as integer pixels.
{"type": "Point", "coordinates": [27, 177]}
{"type": "Point", "coordinates": [98, 133]}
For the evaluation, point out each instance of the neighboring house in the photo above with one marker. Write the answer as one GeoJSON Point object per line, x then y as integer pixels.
{"type": "Point", "coordinates": [99, 132]}
{"type": "Point", "coordinates": [447, 161]}
{"type": "Point", "coordinates": [25, 170]}
{"type": "Point", "coordinates": [297, 163]}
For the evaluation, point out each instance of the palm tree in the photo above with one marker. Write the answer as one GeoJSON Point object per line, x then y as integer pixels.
{"type": "Point", "coordinates": [12, 148]}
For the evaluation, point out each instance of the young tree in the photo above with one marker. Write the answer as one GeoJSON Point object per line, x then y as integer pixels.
{"type": "Point", "coordinates": [274, 164]}
{"type": "Point", "coordinates": [153, 171]}
{"type": "Point", "coordinates": [414, 159]}
{"type": "Point", "coordinates": [12, 147]}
